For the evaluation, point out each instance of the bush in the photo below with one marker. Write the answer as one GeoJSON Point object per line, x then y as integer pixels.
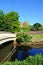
{"type": "Point", "coordinates": [31, 60]}
{"type": "Point", "coordinates": [23, 37]}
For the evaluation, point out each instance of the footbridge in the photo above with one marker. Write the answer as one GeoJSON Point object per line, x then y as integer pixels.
{"type": "Point", "coordinates": [5, 37]}
{"type": "Point", "coordinates": [7, 47]}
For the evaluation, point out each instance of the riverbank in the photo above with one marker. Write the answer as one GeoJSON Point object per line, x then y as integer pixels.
{"type": "Point", "coordinates": [30, 44]}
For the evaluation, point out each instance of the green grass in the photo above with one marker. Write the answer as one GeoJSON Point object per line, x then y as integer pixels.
{"type": "Point", "coordinates": [38, 36]}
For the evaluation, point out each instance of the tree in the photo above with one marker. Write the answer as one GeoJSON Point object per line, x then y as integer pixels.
{"type": "Point", "coordinates": [26, 27]}
{"type": "Point", "coordinates": [12, 21]}
{"type": "Point", "coordinates": [2, 26]}
{"type": "Point", "coordinates": [9, 22]}
{"type": "Point", "coordinates": [36, 26]}
{"type": "Point", "coordinates": [32, 29]}
{"type": "Point", "coordinates": [41, 28]}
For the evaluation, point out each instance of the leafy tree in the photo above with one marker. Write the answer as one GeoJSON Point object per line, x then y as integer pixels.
{"type": "Point", "coordinates": [25, 26]}
{"type": "Point", "coordinates": [41, 28]}
{"type": "Point", "coordinates": [36, 26]}
{"type": "Point", "coordinates": [1, 15]}
{"type": "Point", "coordinates": [9, 22]}
{"type": "Point", "coordinates": [12, 21]}
{"type": "Point", "coordinates": [2, 26]}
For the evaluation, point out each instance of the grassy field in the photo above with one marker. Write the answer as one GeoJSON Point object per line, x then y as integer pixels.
{"type": "Point", "coordinates": [37, 36]}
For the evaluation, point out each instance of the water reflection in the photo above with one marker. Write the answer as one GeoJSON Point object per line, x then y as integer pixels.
{"type": "Point", "coordinates": [23, 54]}
{"type": "Point", "coordinates": [34, 51]}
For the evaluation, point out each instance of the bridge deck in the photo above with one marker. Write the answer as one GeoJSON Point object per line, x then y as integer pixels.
{"type": "Point", "coordinates": [4, 37]}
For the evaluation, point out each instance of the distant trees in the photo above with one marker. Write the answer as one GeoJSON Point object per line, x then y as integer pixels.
{"type": "Point", "coordinates": [41, 28]}
{"type": "Point", "coordinates": [37, 27]}
{"type": "Point", "coordinates": [25, 26]}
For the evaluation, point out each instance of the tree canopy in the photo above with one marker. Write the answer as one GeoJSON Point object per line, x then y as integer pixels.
{"type": "Point", "coordinates": [9, 22]}
{"type": "Point", "coordinates": [36, 26]}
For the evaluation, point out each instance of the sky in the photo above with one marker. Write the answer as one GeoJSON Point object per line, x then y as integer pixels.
{"type": "Point", "coordinates": [28, 10]}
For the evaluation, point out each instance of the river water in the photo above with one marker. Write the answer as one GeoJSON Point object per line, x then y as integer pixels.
{"type": "Point", "coordinates": [23, 54]}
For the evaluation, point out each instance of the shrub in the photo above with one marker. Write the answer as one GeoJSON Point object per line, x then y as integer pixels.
{"type": "Point", "coordinates": [31, 60]}
{"type": "Point", "coordinates": [23, 37]}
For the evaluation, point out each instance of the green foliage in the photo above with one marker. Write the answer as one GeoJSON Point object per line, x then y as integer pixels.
{"type": "Point", "coordinates": [9, 21]}
{"type": "Point", "coordinates": [23, 37]}
{"type": "Point", "coordinates": [31, 60]}
{"type": "Point", "coordinates": [33, 29]}
{"type": "Point", "coordinates": [36, 26]}
{"type": "Point", "coordinates": [2, 27]}
{"type": "Point", "coordinates": [38, 36]}
{"type": "Point", "coordinates": [41, 28]}
{"type": "Point", "coordinates": [12, 21]}
{"type": "Point", "coordinates": [26, 29]}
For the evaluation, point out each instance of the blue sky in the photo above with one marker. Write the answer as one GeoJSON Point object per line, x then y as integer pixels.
{"type": "Point", "coordinates": [29, 10]}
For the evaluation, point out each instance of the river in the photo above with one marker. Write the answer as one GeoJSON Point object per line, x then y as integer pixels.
{"type": "Point", "coordinates": [22, 54]}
